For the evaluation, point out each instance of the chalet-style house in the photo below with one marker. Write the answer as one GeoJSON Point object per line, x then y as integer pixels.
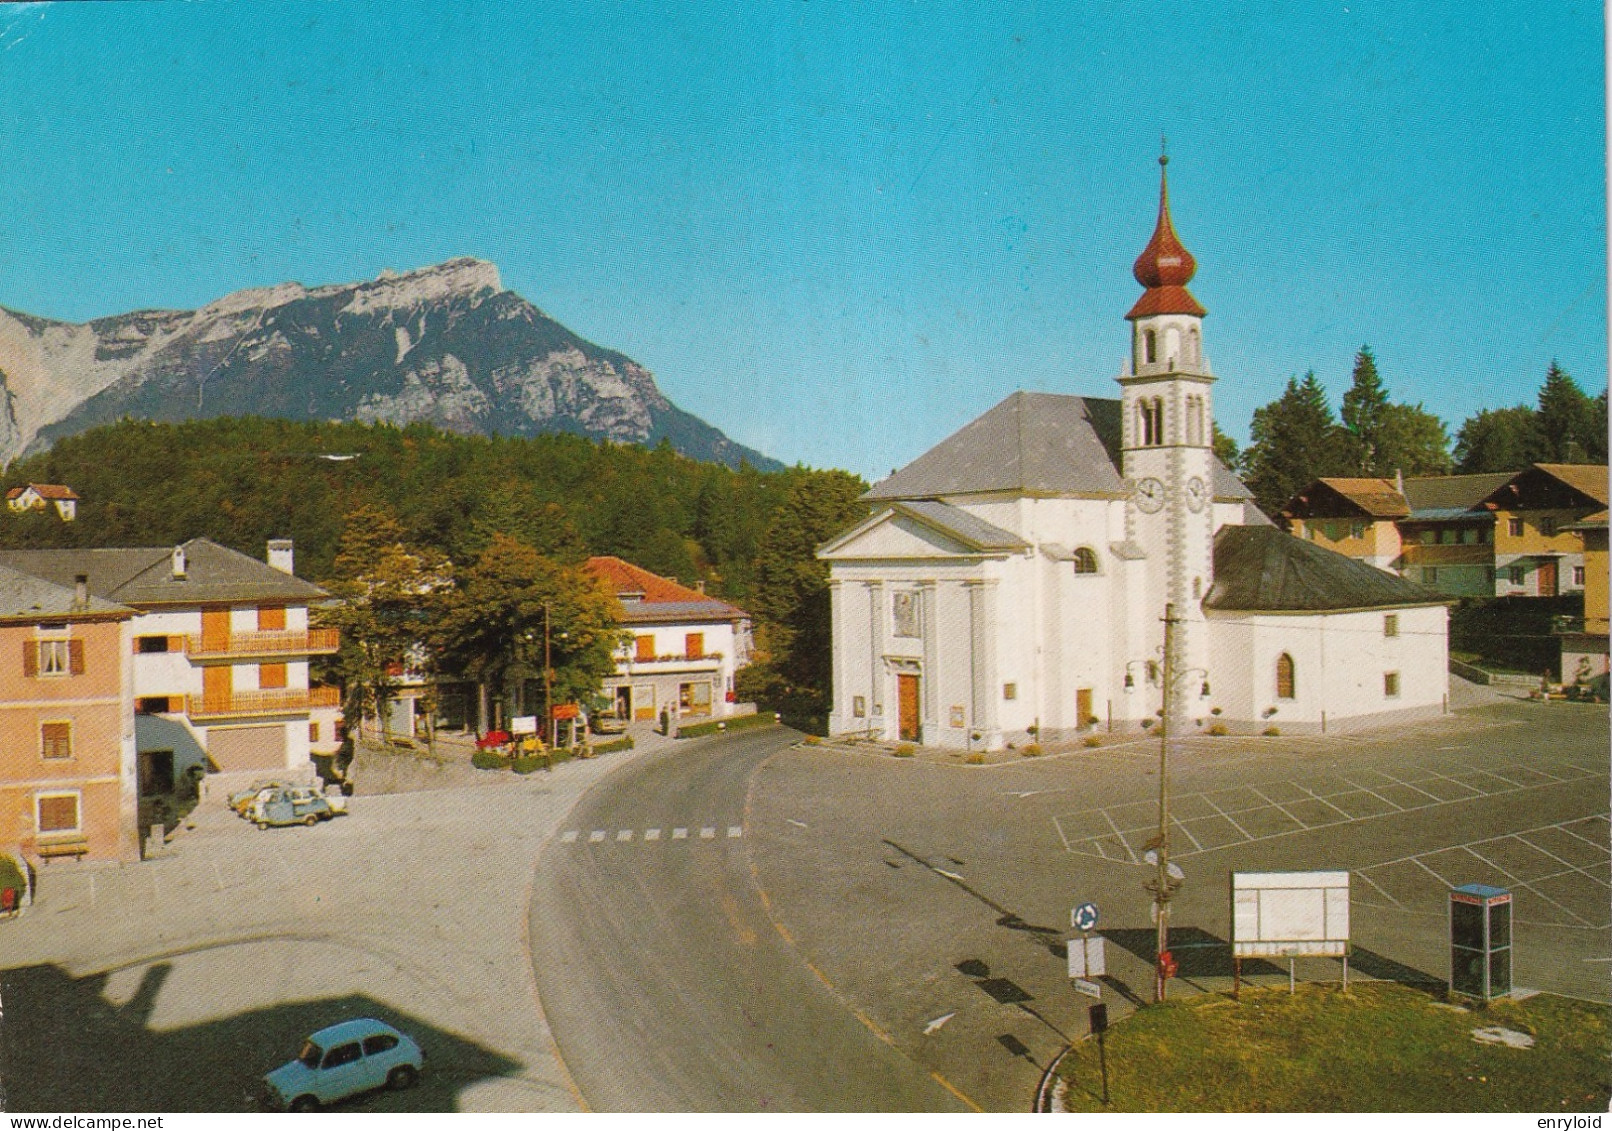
{"type": "Point", "coordinates": [1584, 639]}
{"type": "Point", "coordinates": [67, 745]}
{"type": "Point", "coordinates": [1011, 583]}
{"type": "Point", "coordinates": [686, 646]}
{"type": "Point", "coordinates": [219, 647]}
{"type": "Point", "coordinates": [38, 496]}
{"type": "Point", "coordinates": [1461, 535]}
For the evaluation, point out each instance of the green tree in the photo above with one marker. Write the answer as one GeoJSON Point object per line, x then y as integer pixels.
{"type": "Point", "coordinates": [1497, 439]}
{"type": "Point", "coordinates": [1294, 440]}
{"type": "Point", "coordinates": [1225, 449]}
{"type": "Point", "coordinates": [503, 610]}
{"type": "Point", "coordinates": [1365, 406]}
{"type": "Point", "coordinates": [388, 595]}
{"type": "Point", "coordinates": [1571, 427]}
{"type": "Point", "coordinates": [1411, 440]}
{"type": "Point", "coordinates": [794, 630]}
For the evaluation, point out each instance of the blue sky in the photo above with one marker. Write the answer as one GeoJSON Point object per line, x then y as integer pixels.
{"type": "Point", "coordinates": [839, 231]}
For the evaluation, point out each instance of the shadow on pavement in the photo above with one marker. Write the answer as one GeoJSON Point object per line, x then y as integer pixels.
{"type": "Point", "coordinates": [1199, 954]}
{"type": "Point", "coordinates": [64, 1046]}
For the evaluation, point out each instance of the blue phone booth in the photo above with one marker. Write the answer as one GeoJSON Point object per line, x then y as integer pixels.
{"type": "Point", "coordinates": [1480, 941]}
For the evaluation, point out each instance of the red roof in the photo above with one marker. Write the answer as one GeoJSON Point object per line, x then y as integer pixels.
{"type": "Point", "coordinates": [624, 577]}
{"type": "Point", "coordinates": [44, 491]}
{"type": "Point", "coordinates": [1165, 266]}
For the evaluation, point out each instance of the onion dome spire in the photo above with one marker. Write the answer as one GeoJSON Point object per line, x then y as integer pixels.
{"type": "Point", "coordinates": [1165, 266]}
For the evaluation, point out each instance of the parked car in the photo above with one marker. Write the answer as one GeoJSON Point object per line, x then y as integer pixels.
{"type": "Point", "coordinates": [293, 805]}
{"type": "Point", "coordinates": [344, 1060]}
{"type": "Point", "coordinates": [607, 722]}
{"type": "Point", "coordinates": [241, 801]}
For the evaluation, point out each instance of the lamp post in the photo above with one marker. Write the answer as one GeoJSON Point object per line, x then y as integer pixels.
{"type": "Point", "coordinates": [548, 681]}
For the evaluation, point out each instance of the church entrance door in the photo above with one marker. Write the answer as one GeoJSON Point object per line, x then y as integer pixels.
{"type": "Point", "coordinates": [1083, 707]}
{"type": "Point", "coordinates": [907, 694]}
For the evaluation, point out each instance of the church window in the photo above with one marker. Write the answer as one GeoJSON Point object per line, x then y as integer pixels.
{"type": "Point", "coordinates": [1391, 624]}
{"type": "Point", "coordinates": [1192, 346]}
{"type": "Point", "coordinates": [1085, 560]}
{"type": "Point", "coordinates": [905, 612]}
{"type": "Point", "coordinates": [1286, 684]}
{"type": "Point", "coordinates": [1172, 344]}
{"type": "Point", "coordinates": [1152, 421]}
{"type": "Point", "coordinates": [1391, 685]}
{"type": "Point", "coordinates": [1010, 691]}
{"type": "Point", "coordinates": [1150, 344]}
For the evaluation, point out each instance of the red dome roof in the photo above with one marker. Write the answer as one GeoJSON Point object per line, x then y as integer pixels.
{"type": "Point", "coordinates": [1165, 267]}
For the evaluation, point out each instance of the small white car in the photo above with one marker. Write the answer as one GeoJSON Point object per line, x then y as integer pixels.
{"type": "Point", "coordinates": [344, 1060]}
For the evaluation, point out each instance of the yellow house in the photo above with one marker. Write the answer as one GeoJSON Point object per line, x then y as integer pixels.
{"type": "Point", "coordinates": [1353, 517]}
{"type": "Point", "coordinates": [1584, 640]}
{"type": "Point", "coordinates": [1538, 544]}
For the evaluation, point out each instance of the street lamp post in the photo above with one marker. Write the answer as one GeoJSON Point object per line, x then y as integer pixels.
{"type": "Point", "coordinates": [548, 681]}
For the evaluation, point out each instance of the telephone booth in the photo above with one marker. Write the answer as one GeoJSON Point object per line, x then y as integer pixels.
{"type": "Point", "coordinates": [1480, 941]}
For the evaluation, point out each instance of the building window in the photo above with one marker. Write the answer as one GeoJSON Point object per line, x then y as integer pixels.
{"type": "Point", "coordinates": [57, 812]}
{"type": "Point", "coordinates": [1578, 576]}
{"type": "Point", "coordinates": [1519, 575]}
{"type": "Point", "coordinates": [904, 612]}
{"type": "Point", "coordinates": [693, 645]}
{"type": "Point", "coordinates": [151, 705]}
{"type": "Point", "coordinates": [1357, 530]}
{"type": "Point", "coordinates": [1010, 691]}
{"type": "Point", "coordinates": [53, 657]}
{"type": "Point", "coordinates": [313, 732]}
{"type": "Point", "coordinates": [145, 644]}
{"type": "Point", "coordinates": [1085, 560]}
{"type": "Point", "coordinates": [859, 706]}
{"type": "Point", "coordinates": [1150, 342]}
{"type": "Point", "coordinates": [55, 740]}
{"type": "Point", "coordinates": [1430, 575]}
{"type": "Point", "coordinates": [1391, 624]}
{"type": "Point", "coordinates": [1391, 685]}
{"type": "Point", "coordinates": [1515, 526]}
{"type": "Point", "coordinates": [1547, 526]}
{"type": "Point", "coordinates": [645, 646]}
{"type": "Point", "coordinates": [1286, 682]}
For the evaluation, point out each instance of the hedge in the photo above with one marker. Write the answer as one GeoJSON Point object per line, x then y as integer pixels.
{"type": "Point", "coordinates": [718, 726]}
{"type": "Point", "coordinates": [623, 743]}
{"type": "Point", "coordinates": [488, 760]}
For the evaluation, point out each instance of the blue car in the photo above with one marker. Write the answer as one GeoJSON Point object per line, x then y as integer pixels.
{"type": "Point", "coordinates": [344, 1060]}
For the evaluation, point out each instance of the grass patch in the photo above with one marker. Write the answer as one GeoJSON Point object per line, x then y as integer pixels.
{"type": "Point", "coordinates": [1031, 751]}
{"type": "Point", "coordinates": [720, 726]}
{"type": "Point", "coordinates": [1380, 1047]}
{"type": "Point", "coordinates": [905, 750]}
{"type": "Point", "coordinates": [975, 759]}
{"type": "Point", "coordinates": [1091, 742]}
{"type": "Point", "coordinates": [488, 760]}
{"type": "Point", "coordinates": [625, 742]}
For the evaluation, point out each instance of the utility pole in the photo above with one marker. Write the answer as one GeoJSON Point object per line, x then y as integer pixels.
{"type": "Point", "coordinates": [1163, 886]}
{"type": "Point", "coordinates": [548, 681]}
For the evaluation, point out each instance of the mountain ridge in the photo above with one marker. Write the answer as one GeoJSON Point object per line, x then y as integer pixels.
{"type": "Point", "coordinates": [446, 344]}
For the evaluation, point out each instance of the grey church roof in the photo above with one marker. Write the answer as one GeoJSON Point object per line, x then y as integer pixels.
{"type": "Point", "coordinates": [1032, 444]}
{"type": "Point", "coordinates": [1260, 569]}
{"type": "Point", "coordinates": [968, 529]}
{"type": "Point", "coordinates": [144, 576]}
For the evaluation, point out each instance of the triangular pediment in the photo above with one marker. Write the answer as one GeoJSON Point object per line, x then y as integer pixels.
{"type": "Point", "coordinates": [893, 535]}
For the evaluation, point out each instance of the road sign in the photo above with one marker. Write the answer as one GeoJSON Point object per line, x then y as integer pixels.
{"type": "Point", "coordinates": [1090, 989]}
{"type": "Point", "coordinates": [1084, 916]}
{"type": "Point", "coordinates": [1172, 869]}
{"type": "Point", "coordinates": [523, 724]}
{"type": "Point", "coordinates": [1087, 958]}
{"type": "Point", "coordinates": [562, 711]}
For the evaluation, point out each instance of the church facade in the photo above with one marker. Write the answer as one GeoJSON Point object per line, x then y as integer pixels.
{"type": "Point", "coordinates": [1011, 584]}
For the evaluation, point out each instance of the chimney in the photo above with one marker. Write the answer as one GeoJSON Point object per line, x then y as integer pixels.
{"type": "Point", "coordinates": [179, 563]}
{"type": "Point", "coordinates": [281, 555]}
{"type": "Point", "coordinates": [1399, 481]}
{"type": "Point", "coordinates": [699, 586]}
{"type": "Point", "coordinates": [81, 592]}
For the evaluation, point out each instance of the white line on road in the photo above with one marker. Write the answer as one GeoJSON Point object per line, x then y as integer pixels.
{"type": "Point", "coordinates": [624, 834]}
{"type": "Point", "coordinates": [735, 830]}
{"type": "Point", "coordinates": [707, 833]}
{"type": "Point", "coordinates": [596, 836]}
{"type": "Point", "coordinates": [797, 824]}
{"type": "Point", "coordinates": [948, 875]}
{"type": "Point", "coordinates": [569, 837]}
{"type": "Point", "coordinates": [679, 834]}
{"type": "Point", "coordinates": [651, 834]}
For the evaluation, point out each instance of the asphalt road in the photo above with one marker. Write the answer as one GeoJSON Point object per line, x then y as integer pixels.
{"type": "Point", "coordinates": [666, 984]}
{"type": "Point", "coordinates": [890, 934]}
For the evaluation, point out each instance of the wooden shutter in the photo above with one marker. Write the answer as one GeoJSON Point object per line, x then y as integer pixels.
{"type": "Point", "coordinates": [646, 648]}
{"type": "Point", "coordinates": [270, 676]}
{"type": "Point", "coordinates": [75, 657]}
{"type": "Point", "coordinates": [271, 619]}
{"type": "Point", "coordinates": [55, 740]}
{"type": "Point", "coordinates": [693, 645]}
{"type": "Point", "coordinates": [58, 814]}
{"type": "Point", "coordinates": [30, 658]}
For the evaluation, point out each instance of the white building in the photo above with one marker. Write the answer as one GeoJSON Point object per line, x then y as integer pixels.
{"type": "Point", "coordinates": [685, 649]}
{"type": "Point", "coordinates": [1012, 581]}
{"type": "Point", "coordinates": [221, 648]}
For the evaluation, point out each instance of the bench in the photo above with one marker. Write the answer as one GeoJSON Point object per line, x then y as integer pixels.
{"type": "Point", "coordinates": [74, 848]}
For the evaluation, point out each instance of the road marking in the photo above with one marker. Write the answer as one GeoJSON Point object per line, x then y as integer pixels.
{"type": "Point", "coordinates": [624, 834]}
{"type": "Point", "coordinates": [707, 833]}
{"type": "Point", "coordinates": [948, 875]}
{"type": "Point", "coordinates": [735, 830]}
{"type": "Point", "coordinates": [651, 834]}
{"type": "Point", "coordinates": [952, 1088]}
{"type": "Point", "coordinates": [679, 834]}
{"type": "Point", "coordinates": [797, 824]}
{"type": "Point", "coordinates": [596, 836]}
{"type": "Point", "coordinates": [935, 1025]}
{"type": "Point", "coordinates": [569, 837]}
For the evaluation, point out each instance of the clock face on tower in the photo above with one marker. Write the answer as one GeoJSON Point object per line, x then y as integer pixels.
{"type": "Point", "coordinates": [1149, 495]}
{"type": "Point", "coordinates": [1197, 494]}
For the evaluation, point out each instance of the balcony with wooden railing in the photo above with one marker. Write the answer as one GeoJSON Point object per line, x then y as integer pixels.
{"type": "Point", "coordinates": [275, 701]}
{"type": "Point", "coordinates": [1449, 554]}
{"type": "Point", "coordinates": [253, 645]}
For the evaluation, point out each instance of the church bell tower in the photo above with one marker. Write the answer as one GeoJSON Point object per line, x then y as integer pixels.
{"type": "Point", "coordinates": [1166, 438]}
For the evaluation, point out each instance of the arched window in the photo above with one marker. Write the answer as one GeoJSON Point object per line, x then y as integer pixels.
{"type": "Point", "coordinates": [1285, 682]}
{"type": "Point", "coordinates": [1192, 346]}
{"type": "Point", "coordinates": [1085, 560]}
{"type": "Point", "coordinates": [1172, 343]}
{"type": "Point", "coordinates": [1155, 421]}
{"type": "Point", "coordinates": [1150, 343]}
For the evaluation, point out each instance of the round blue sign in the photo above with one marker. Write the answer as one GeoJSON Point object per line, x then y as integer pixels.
{"type": "Point", "coordinates": [1085, 916]}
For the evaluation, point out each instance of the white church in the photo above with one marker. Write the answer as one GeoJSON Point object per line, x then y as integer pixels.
{"type": "Point", "coordinates": [1011, 584]}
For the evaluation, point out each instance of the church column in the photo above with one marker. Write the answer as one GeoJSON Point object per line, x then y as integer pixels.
{"type": "Point", "coordinates": [840, 701]}
{"type": "Point", "coordinates": [876, 654]}
{"type": "Point", "coordinates": [982, 659]}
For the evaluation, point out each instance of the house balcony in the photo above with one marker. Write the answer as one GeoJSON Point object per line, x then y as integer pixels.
{"type": "Point", "coordinates": [1467, 554]}
{"type": "Point", "coordinates": [264, 645]}
{"type": "Point", "coordinates": [669, 663]}
{"type": "Point", "coordinates": [246, 704]}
